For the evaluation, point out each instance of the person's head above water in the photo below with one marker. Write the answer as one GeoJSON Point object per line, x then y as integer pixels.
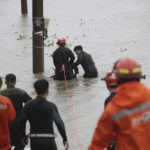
{"type": "Point", "coordinates": [78, 49]}
{"type": "Point", "coordinates": [61, 42]}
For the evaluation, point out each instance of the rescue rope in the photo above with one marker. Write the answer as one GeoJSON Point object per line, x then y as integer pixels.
{"type": "Point", "coordinates": [71, 106]}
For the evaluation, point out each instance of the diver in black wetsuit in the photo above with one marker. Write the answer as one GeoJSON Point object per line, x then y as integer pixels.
{"type": "Point", "coordinates": [86, 61]}
{"type": "Point", "coordinates": [41, 115]}
{"type": "Point", "coordinates": [63, 56]}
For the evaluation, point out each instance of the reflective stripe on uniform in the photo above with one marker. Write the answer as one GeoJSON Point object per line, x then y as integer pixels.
{"type": "Point", "coordinates": [42, 135]}
{"type": "Point", "coordinates": [136, 70]}
{"type": "Point", "coordinates": [124, 71]}
{"type": "Point", "coordinates": [3, 106]}
{"type": "Point", "coordinates": [126, 112]}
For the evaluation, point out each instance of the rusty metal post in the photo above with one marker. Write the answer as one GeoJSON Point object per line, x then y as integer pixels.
{"type": "Point", "coordinates": [38, 39]}
{"type": "Point", "coordinates": [24, 7]}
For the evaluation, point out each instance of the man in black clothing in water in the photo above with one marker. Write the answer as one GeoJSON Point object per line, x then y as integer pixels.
{"type": "Point", "coordinates": [18, 97]}
{"type": "Point", "coordinates": [86, 62]}
{"type": "Point", "coordinates": [41, 115]}
{"type": "Point", "coordinates": [63, 56]}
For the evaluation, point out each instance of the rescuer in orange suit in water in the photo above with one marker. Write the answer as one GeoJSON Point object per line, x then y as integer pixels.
{"type": "Point", "coordinates": [127, 114]}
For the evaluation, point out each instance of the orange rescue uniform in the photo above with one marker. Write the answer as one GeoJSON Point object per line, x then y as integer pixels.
{"type": "Point", "coordinates": [7, 114]}
{"type": "Point", "coordinates": [128, 116]}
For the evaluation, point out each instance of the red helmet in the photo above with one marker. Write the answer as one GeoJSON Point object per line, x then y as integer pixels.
{"type": "Point", "coordinates": [61, 41]}
{"type": "Point", "coordinates": [111, 79]}
{"type": "Point", "coordinates": [127, 68]}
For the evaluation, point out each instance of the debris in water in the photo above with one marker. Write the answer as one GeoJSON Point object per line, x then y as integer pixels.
{"type": "Point", "coordinates": [69, 45]}
{"type": "Point", "coordinates": [21, 37]}
{"type": "Point", "coordinates": [49, 43]}
{"type": "Point", "coordinates": [123, 50]}
{"type": "Point", "coordinates": [47, 20]}
{"type": "Point", "coordinates": [82, 22]}
{"type": "Point", "coordinates": [54, 36]}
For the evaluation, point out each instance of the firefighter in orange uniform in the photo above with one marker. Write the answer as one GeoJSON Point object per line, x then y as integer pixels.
{"type": "Point", "coordinates": [7, 114]}
{"type": "Point", "coordinates": [127, 114]}
{"type": "Point", "coordinates": [111, 83]}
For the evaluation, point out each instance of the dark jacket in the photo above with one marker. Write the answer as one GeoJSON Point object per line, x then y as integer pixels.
{"type": "Point", "coordinates": [17, 97]}
{"type": "Point", "coordinates": [88, 65]}
{"type": "Point", "coordinates": [63, 55]}
{"type": "Point", "coordinates": [41, 115]}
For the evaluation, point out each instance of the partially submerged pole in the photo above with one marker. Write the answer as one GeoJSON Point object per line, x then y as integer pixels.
{"type": "Point", "coordinates": [38, 39]}
{"type": "Point", "coordinates": [24, 7]}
